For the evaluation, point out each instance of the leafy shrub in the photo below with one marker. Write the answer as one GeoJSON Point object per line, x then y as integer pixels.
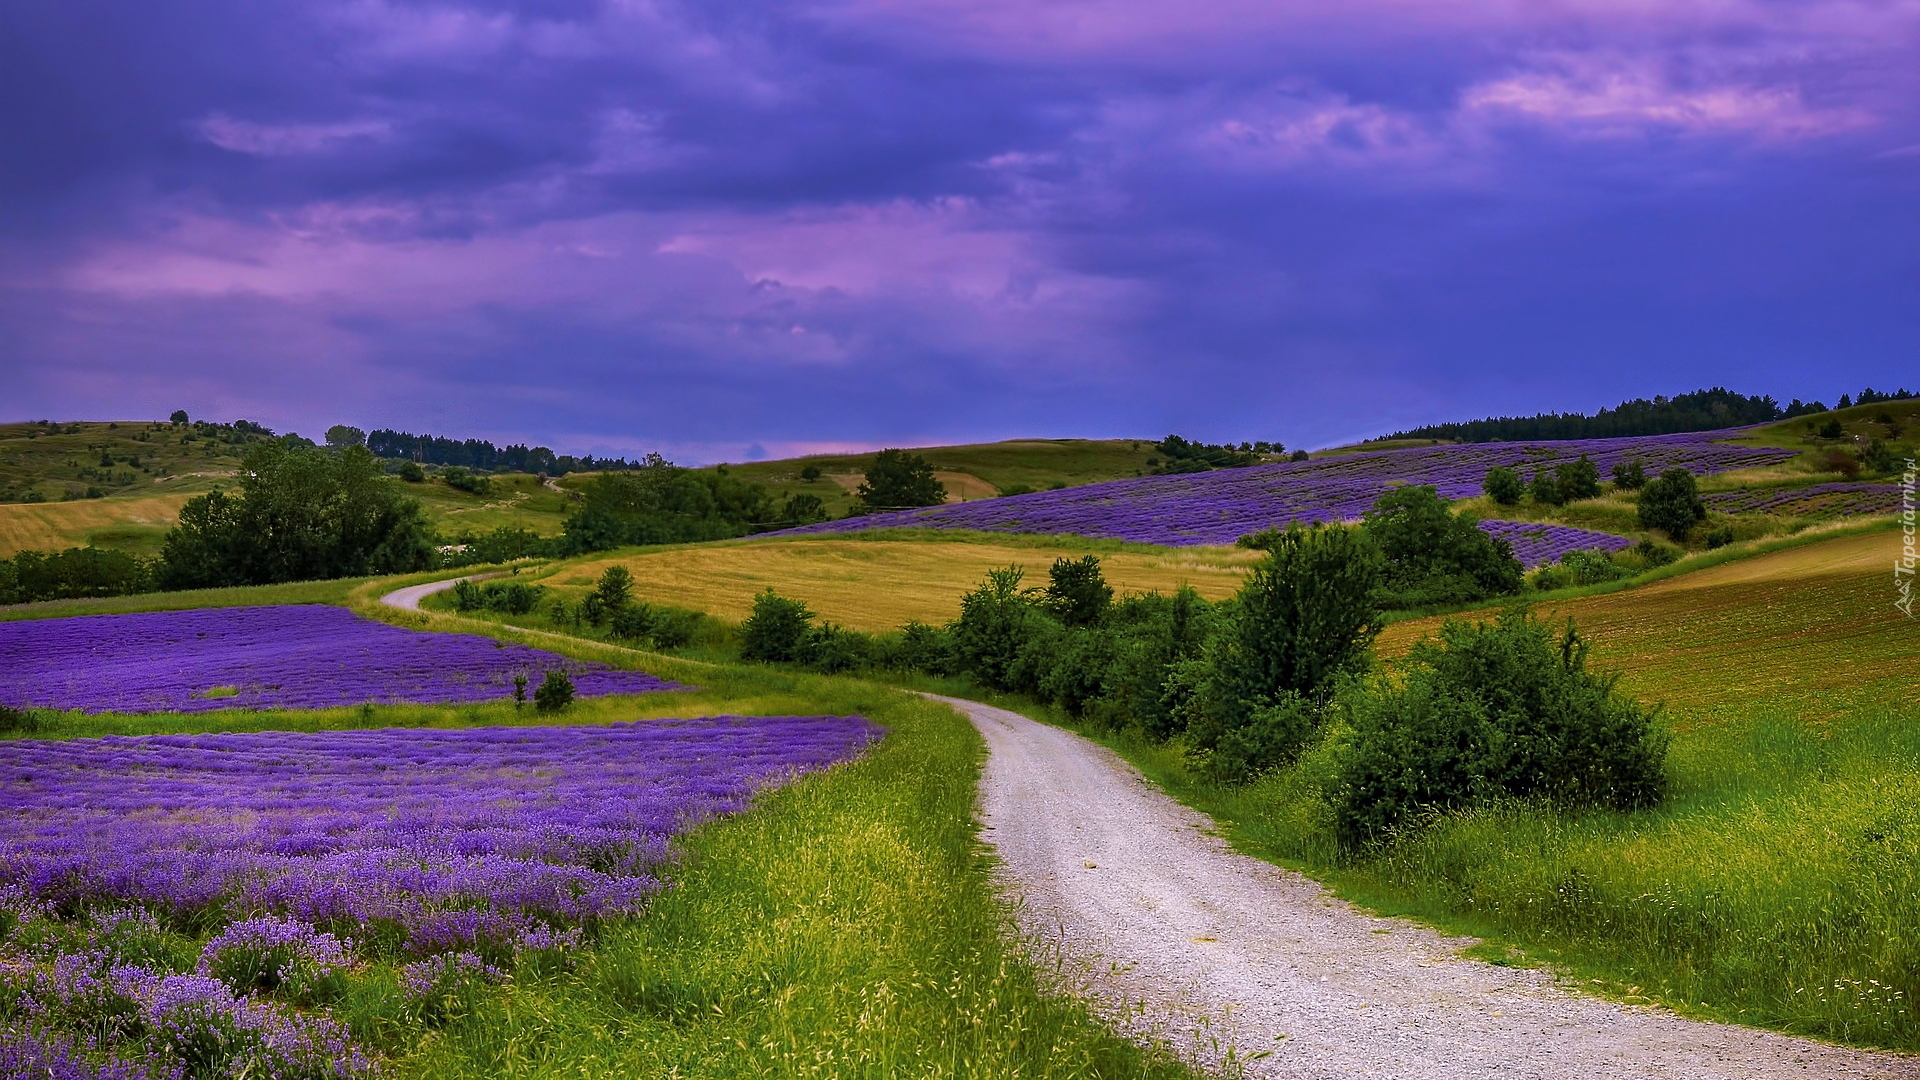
{"type": "Point", "coordinates": [1630, 475]}
{"type": "Point", "coordinates": [1305, 617]}
{"type": "Point", "coordinates": [1720, 537]}
{"type": "Point", "coordinates": [1545, 489]}
{"type": "Point", "coordinates": [1577, 479]}
{"type": "Point", "coordinates": [996, 620]}
{"type": "Point", "coordinates": [1077, 592]}
{"type": "Point", "coordinates": [1503, 485]}
{"type": "Point", "coordinates": [803, 508]}
{"type": "Point", "coordinates": [1830, 429]}
{"type": "Point", "coordinates": [1016, 489]}
{"type": "Point", "coordinates": [467, 596]}
{"type": "Point", "coordinates": [777, 630]}
{"type": "Point", "coordinates": [1671, 503]}
{"type": "Point", "coordinates": [461, 479]}
{"type": "Point", "coordinates": [1273, 735]}
{"type": "Point", "coordinates": [921, 647]}
{"type": "Point", "coordinates": [1505, 710]}
{"type": "Point", "coordinates": [835, 649]}
{"type": "Point", "coordinates": [410, 472]}
{"type": "Point", "coordinates": [615, 587]}
{"type": "Point", "coordinates": [1653, 554]}
{"type": "Point", "coordinates": [1842, 462]}
{"type": "Point", "coordinates": [1590, 566]}
{"type": "Point", "coordinates": [18, 721]}
{"type": "Point", "coordinates": [554, 693]}
{"type": "Point", "coordinates": [1434, 556]}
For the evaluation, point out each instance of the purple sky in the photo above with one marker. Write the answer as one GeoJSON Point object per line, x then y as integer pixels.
{"type": "Point", "coordinates": [635, 224]}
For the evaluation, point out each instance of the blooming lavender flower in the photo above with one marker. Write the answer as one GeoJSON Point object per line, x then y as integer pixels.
{"type": "Point", "coordinates": [1816, 500]}
{"type": "Point", "coordinates": [271, 954]}
{"type": "Point", "coordinates": [297, 656]}
{"type": "Point", "coordinates": [1222, 506]}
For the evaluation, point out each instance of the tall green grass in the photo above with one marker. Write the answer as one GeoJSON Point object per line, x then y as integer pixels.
{"type": "Point", "coordinates": [1779, 885]}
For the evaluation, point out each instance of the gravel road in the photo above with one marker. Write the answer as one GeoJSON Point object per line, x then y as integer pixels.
{"type": "Point", "coordinates": [1175, 933]}
{"type": "Point", "coordinates": [409, 598]}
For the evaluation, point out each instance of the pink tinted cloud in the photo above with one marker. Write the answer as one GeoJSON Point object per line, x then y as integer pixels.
{"type": "Point", "coordinates": [811, 288]}
{"type": "Point", "coordinates": [286, 140]}
{"type": "Point", "coordinates": [1149, 29]}
{"type": "Point", "coordinates": [1632, 100]}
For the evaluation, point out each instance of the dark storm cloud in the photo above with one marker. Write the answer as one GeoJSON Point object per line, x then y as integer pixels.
{"type": "Point", "coordinates": [623, 223]}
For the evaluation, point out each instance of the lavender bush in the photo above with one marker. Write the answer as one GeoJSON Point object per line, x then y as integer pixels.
{"type": "Point", "coordinates": [462, 851]}
{"type": "Point", "coordinates": [298, 657]}
{"type": "Point", "coordinates": [1219, 507]}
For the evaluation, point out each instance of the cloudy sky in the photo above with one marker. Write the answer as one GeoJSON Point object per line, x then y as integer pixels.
{"type": "Point", "coordinates": [710, 228]}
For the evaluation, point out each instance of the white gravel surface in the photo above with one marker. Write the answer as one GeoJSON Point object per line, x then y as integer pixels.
{"type": "Point", "coordinates": [409, 598]}
{"type": "Point", "coordinates": [1177, 935]}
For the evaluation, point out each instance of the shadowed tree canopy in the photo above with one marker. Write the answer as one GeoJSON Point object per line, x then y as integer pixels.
{"type": "Point", "coordinates": [898, 480]}
{"type": "Point", "coordinates": [300, 514]}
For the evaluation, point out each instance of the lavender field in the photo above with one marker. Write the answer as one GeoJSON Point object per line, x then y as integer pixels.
{"type": "Point", "coordinates": [1220, 507]}
{"type": "Point", "coordinates": [1817, 500]}
{"type": "Point", "coordinates": [453, 855]}
{"type": "Point", "coordinates": [295, 657]}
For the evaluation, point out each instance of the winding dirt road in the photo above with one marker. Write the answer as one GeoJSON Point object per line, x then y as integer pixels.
{"type": "Point", "coordinates": [1175, 933]}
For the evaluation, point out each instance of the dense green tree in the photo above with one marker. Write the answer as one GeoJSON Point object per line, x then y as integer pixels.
{"type": "Point", "coordinates": [76, 572]}
{"type": "Point", "coordinates": [803, 508]}
{"type": "Point", "coordinates": [1077, 590]}
{"type": "Point", "coordinates": [777, 630]}
{"type": "Point", "coordinates": [1630, 475]}
{"type": "Point", "coordinates": [1305, 617]}
{"type": "Point", "coordinates": [341, 436]}
{"type": "Point", "coordinates": [615, 587]}
{"type": "Point", "coordinates": [1671, 503]}
{"type": "Point", "coordinates": [1577, 479]}
{"type": "Point", "coordinates": [661, 503]}
{"type": "Point", "coordinates": [996, 620]}
{"type": "Point", "coordinates": [1504, 486]}
{"type": "Point", "coordinates": [1545, 488]}
{"type": "Point", "coordinates": [178, 418]}
{"type": "Point", "coordinates": [899, 480]}
{"type": "Point", "coordinates": [1433, 555]}
{"type": "Point", "coordinates": [300, 514]}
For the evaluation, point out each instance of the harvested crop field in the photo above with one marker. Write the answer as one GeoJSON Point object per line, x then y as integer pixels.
{"type": "Point", "coordinates": [880, 584]}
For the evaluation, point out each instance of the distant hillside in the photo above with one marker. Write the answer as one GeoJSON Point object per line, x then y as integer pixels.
{"type": "Point", "coordinates": [970, 472]}
{"type": "Point", "coordinates": [44, 461]}
{"type": "Point", "coordinates": [1702, 410]}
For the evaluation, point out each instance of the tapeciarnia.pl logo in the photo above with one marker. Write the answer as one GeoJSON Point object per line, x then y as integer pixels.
{"type": "Point", "coordinates": [1903, 566]}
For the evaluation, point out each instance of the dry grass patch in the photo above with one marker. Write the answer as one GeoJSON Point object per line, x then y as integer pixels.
{"type": "Point", "coordinates": [54, 526]}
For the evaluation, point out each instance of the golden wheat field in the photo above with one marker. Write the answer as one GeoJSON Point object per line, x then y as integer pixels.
{"type": "Point", "coordinates": [57, 525]}
{"type": "Point", "coordinates": [878, 585]}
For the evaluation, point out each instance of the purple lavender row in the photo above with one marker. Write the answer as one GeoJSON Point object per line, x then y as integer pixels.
{"type": "Point", "coordinates": [293, 657]}
{"type": "Point", "coordinates": [1816, 500]}
{"type": "Point", "coordinates": [1220, 507]}
{"type": "Point", "coordinates": [463, 847]}
{"type": "Point", "coordinates": [461, 838]}
{"type": "Point", "coordinates": [1537, 543]}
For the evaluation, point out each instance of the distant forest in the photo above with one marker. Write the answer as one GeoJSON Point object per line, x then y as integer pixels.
{"type": "Point", "coordinates": [1702, 410]}
{"type": "Point", "coordinates": [481, 454]}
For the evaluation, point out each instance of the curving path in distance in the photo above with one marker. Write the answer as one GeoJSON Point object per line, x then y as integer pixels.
{"type": "Point", "coordinates": [1175, 932]}
{"type": "Point", "coordinates": [409, 598]}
